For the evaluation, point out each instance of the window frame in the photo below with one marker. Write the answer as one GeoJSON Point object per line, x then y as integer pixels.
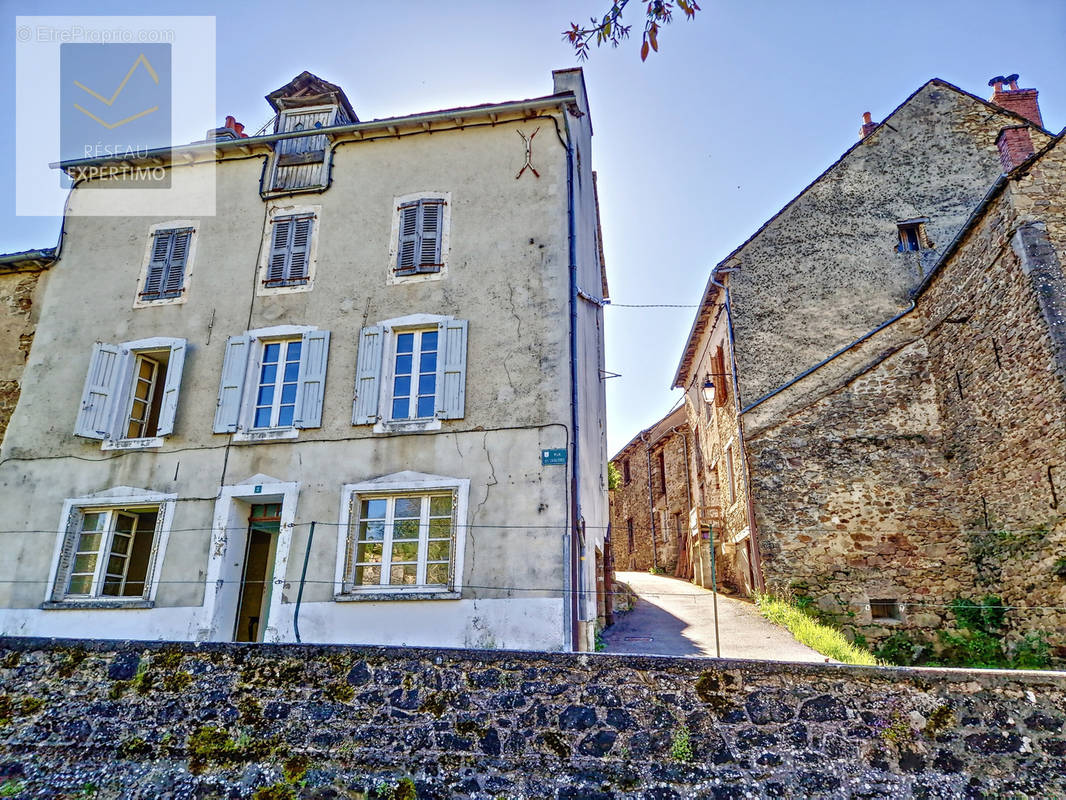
{"type": "Point", "coordinates": [276, 211]}
{"type": "Point", "coordinates": [139, 299]}
{"type": "Point", "coordinates": [917, 227]}
{"type": "Point", "coordinates": [729, 465]}
{"type": "Point", "coordinates": [392, 486]}
{"type": "Point", "coordinates": [122, 498]}
{"type": "Point", "coordinates": [256, 342]}
{"type": "Point", "coordinates": [291, 151]}
{"type": "Point", "coordinates": [119, 398]}
{"type": "Point", "coordinates": [393, 275]}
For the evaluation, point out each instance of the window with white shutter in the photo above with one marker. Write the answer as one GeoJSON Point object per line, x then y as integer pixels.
{"type": "Point", "coordinates": [420, 236]}
{"type": "Point", "coordinates": [130, 399]}
{"type": "Point", "coordinates": [411, 373]}
{"type": "Point", "coordinates": [273, 382]}
{"type": "Point", "coordinates": [167, 265]}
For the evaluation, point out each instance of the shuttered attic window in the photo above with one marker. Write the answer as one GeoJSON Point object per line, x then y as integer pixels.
{"type": "Point", "coordinates": [166, 268]}
{"type": "Point", "coordinates": [913, 236]}
{"type": "Point", "coordinates": [290, 250]}
{"type": "Point", "coordinates": [419, 246]}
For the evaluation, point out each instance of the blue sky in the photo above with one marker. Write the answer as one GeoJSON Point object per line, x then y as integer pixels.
{"type": "Point", "coordinates": [695, 148]}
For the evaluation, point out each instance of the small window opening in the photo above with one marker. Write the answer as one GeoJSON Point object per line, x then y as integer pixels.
{"type": "Point", "coordinates": [146, 395]}
{"type": "Point", "coordinates": [625, 472]}
{"type": "Point", "coordinates": [912, 237]}
{"type": "Point", "coordinates": [884, 609]}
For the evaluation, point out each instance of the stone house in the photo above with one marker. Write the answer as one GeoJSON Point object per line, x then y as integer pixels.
{"type": "Point", "coordinates": [650, 509]}
{"type": "Point", "coordinates": [361, 402]}
{"type": "Point", "coordinates": [853, 472]}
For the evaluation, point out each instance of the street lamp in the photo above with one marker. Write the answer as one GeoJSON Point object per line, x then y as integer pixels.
{"type": "Point", "coordinates": [708, 390]}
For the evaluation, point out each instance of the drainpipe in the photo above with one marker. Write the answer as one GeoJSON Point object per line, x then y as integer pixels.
{"type": "Point", "coordinates": [651, 503]}
{"type": "Point", "coordinates": [575, 470]}
{"type": "Point", "coordinates": [756, 556]}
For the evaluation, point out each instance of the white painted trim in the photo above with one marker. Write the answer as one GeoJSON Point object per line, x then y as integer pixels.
{"type": "Point", "coordinates": [396, 483]}
{"type": "Point", "coordinates": [245, 432]}
{"type": "Point", "coordinates": [190, 261]}
{"type": "Point", "coordinates": [218, 612]}
{"type": "Point", "coordinates": [391, 278]}
{"type": "Point", "coordinates": [280, 331]}
{"type": "Point", "coordinates": [144, 443]}
{"type": "Point", "coordinates": [388, 368]}
{"type": "Point", "coordinates": [117, 497]}
{"type": "Point", "coordinates": [278, 208]}
{"type": "Point", "coordinates": [413, 321]}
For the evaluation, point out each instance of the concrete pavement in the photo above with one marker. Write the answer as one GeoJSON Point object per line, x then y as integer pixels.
{"type": "Point", "coordinates": [676, 618]}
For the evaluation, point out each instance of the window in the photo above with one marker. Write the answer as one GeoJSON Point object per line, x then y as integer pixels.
{"type": "Point", "coordinates": [411, 373]}
{"type": "Point", "coordinates": [289, 254]}
{"type": "Point", "coordinates": [285, 370]}
{"type": "Point", "coordinates": [419, 237]}
{"type": "Point", "coordinates": [662, 472]}
{"type": "Point", "coordinates": [130, 398]}
{"type": "Point", "coordinates": [300, 162]}
{"type": "Point", "coordinates": [625, 473]}
{"type": "Point", "coordinates": [884, 609]}
{"type": "Point", "coordinates": [912, 236]}
{"type": "Point", "coordinates": [721, 378]}
{"type": "Point", "coordinates": [109, 550]}
{"type": "Point", "coordinates": [418, 248]}
{"type": "Point", "coordinates": [404, 535]}
{"type": "Point", "coordinates": [165, 275]}
{"type": "Point", "coordinates": [629, 533]}
{"type": "Point", "coordinates": [290, 245]}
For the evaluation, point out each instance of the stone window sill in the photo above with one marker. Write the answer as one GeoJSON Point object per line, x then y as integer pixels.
{"type": "Point", "coordinates": [265, 435]}
{"type": "Point", "coordinates": [407, 426]}
{"type": "Point", "coordinates": [75, 605]}
{"type": "Point", "coordinates": [145, 443]}
{"type": "Point", "coordinates": [381, 597]}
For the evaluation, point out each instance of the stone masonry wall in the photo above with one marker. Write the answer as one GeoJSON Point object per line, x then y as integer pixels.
{"type": "Point", "coordinates": [152, 720]}
{"type": "Point", "coordinates": [630, 502]}
{"type": "Point", "coordinates": [17, 324]}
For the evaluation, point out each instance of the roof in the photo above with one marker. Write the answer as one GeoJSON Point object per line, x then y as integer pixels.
{"type": "Point", "coordinates": [309, 89]}
{"type": "Point", "coordinates": [710, 291]}
{"type": "Point", "coordinates": [652, 435]}
{"type": "Point", "coordinates": [27, 260]}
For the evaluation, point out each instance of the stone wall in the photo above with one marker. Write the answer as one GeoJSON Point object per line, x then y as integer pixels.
{"type": "Point", "coordinates": [151, 720]}
{"type": "Point", "coordinates": [18, 321]}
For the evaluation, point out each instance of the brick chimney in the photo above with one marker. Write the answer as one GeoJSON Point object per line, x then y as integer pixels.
{"type": "Point", "coordinates": [1020, 101]}
{"type": "Point", "coordinates": [868, 125]}
{"type": "Point", "coordinates": [1015, 145]}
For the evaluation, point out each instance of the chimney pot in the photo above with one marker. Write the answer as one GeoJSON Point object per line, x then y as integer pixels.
{"type": "Point", "coordinates": [868, 125]}
{"type": "Point", "coordinates": [1022, 102]}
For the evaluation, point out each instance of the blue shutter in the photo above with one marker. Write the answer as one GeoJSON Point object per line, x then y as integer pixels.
{"type": "Point", "coordinates": [279, 249]}
{"type": "Point", "coordinates": [451, 369]}
{"type": "Point", "coordinates": [169, 408]}
{"type": "Point", "coordinates": [231, 386]}
{"type": "Point", "coordinates": [368, 375]}
{"type": "Point", "coordinates": [300, 251]}
{"type": "Point", "coordinates": [407, 247]}
{"type": "Point", "coordinates": [431, 213]}
{"type": "Point", "coordinates": [157, 264]}
{"type": "Point", "coordinates": [314, 353]}
{"type": "Point", "coordinates": [97, 410]}
{"type": "Point", "coordinates": [179, 254]}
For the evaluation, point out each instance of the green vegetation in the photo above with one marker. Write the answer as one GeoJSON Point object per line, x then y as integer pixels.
{"type": "Point", "coordinates": [12, 788]}
{"type": "Point", "coordinates": [601, 645]}
{"type": "Point", "coordinates": [403, 790]}
{"type": "Point", "coordinates": [656, 571]}
{"type": "Point", "coordinates": [276, 791]}
{"type": "Point", "coordinates": [680, 746]}
{"type": "Point", "coordinates": [614, 477]}
{"type": "Point", "coordinates": [802, 624]}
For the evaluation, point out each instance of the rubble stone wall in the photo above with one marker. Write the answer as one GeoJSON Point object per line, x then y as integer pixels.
{"type": "Point", "coordinates": [148, 720]}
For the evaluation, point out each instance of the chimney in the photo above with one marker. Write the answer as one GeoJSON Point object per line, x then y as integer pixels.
{"type": "Point", "coordinates": [1021, 101]}
{"type": "Point", "coordinates": [868, 125]}
{"type": "Point", "coordinates": [236, 127]}
{"type": "Point", "coordinates": [1015, 146]}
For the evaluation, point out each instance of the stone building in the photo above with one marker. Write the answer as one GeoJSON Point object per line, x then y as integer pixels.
{"type": "Point", "coordinates": [359, 403]}
{"type": "Point", "coordinates": [21, 286]}
{"type": "Point", "coordinates": [874, 466]}
{"type": "Point", "coordinates": [650, 509]}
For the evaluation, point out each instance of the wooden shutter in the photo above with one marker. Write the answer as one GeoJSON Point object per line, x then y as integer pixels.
{"type": "Point", "coordinates": [721, 382]}
{"type": "Point", "coordinates": [368, 375]}
{"type": "Point", "coordinates": [157, 264]}
{"type": "Point", "coordinates": [231, 386]}
{"type": "Point", "coordinates": [300, 251]}
{"type": "Point", "coordinates": [169, 408]}
{"type": "Point", "coordinates": [179, 254]}
{"type": "Point", "coordinates": [314, 353]}
{"type": "Point", "coordinates": [66, 553]}
{"type": "Point", "coordinates": [279, 249]}
{"type": "Point", "coordinates": [451, 369]}
{"type": "Point", "coordinates": [431, 213]}
{"type": "Point", "coordinates": [97, 411]}
{"type": "Point", "coordinates": [407, 249]}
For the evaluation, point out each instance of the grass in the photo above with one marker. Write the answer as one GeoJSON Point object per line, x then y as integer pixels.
{"type": "Point", "coordinates": [827, 641]}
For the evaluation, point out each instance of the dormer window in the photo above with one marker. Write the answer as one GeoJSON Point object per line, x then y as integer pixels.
{"type": "Point", "coordinates": [913, 236]}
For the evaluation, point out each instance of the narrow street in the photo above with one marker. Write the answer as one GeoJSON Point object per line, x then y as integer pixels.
{"type": "Point", "coordinates": [673, 617]}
